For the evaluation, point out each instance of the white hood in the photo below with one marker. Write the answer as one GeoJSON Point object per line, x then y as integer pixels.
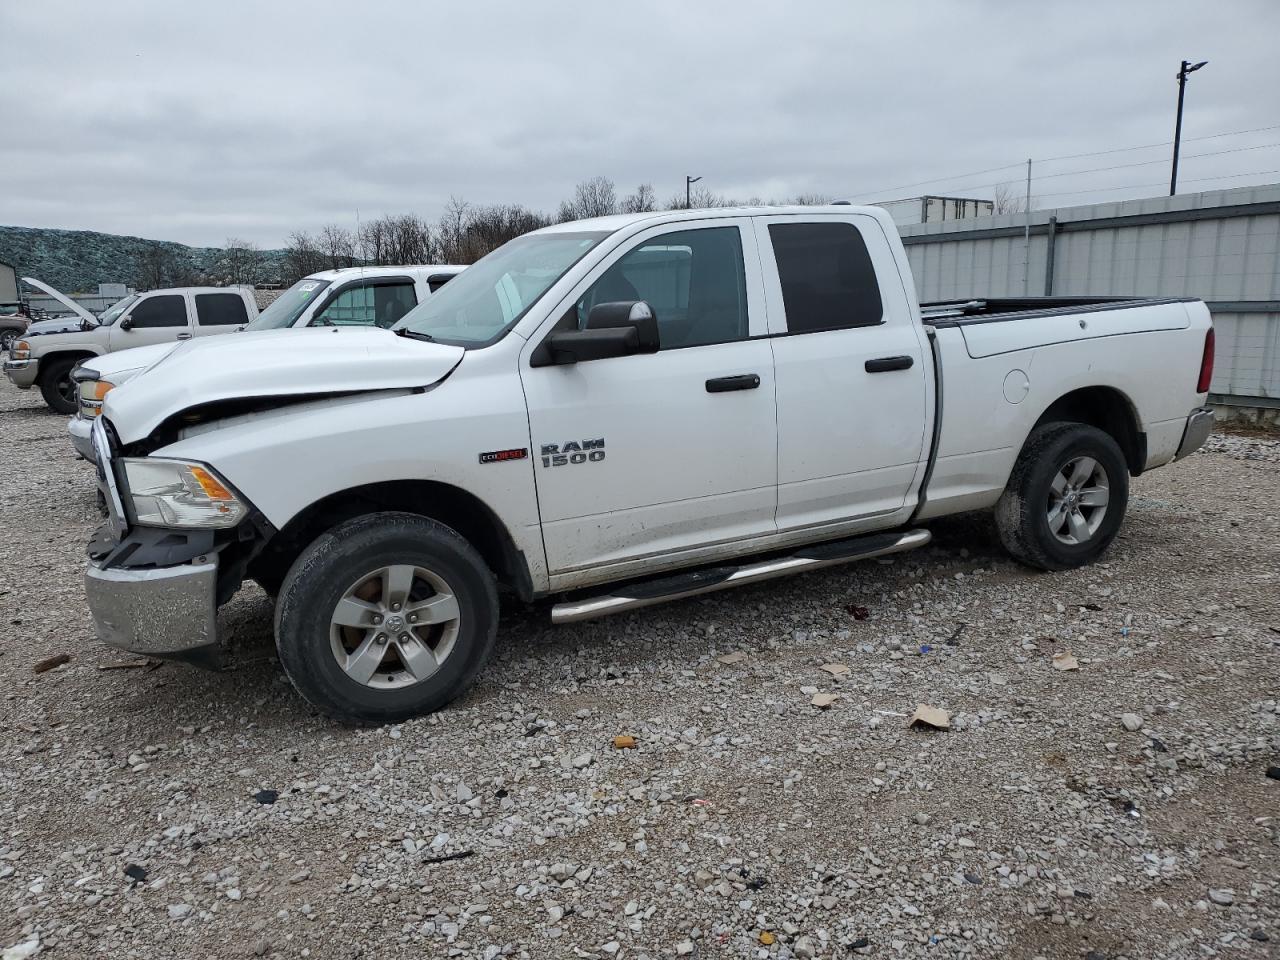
{"type": "Point", "coordinates": [62, 298]}
{"type": "Point", "coordinates": [274, 363]}
{"type": "Point", "coordinates": [124, 364]}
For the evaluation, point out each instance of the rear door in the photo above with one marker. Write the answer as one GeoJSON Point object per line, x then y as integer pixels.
{"type": "Point", "coordinates": [219, 313]}
{"type": "Point", "coordinates": [644, 459]}
{"type": "Point", "coordinates": [158, 318]}
{"type": "Point", "coordinates": [850, 365]}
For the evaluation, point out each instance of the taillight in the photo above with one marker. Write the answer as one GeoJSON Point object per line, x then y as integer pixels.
{"type": "Point", "coordinates": [1206, 364]}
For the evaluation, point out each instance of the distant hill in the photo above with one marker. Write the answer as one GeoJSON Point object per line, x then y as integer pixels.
{"type": "Point", "coordinates": [78, 260]}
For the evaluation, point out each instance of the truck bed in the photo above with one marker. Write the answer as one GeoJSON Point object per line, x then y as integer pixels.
{"type": "Point", "coordinates": [958, 313]}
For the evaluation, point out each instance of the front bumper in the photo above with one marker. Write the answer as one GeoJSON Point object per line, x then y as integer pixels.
{"type": "Point", "coordinates": [80, 429]}
{"type": "Point", "coordinates": [23, 373]}
{"type": "Point", "coordinates": [168, 612]}
{"type": "Point", "coordinates": [1199, 426]}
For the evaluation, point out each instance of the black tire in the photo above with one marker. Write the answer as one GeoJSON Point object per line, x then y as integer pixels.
{"type": "Point", "coordinates": [1024, 509]}
{"type": "Point", "coordinates": [56, 386]}
{"type": "Point", "coordinates": [325, 572]}
{"type": "Point", "coordinates": [7, 337]}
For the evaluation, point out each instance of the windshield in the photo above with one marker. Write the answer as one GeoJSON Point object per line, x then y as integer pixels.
{"type": "Point", "coordinates": [479, 305]}
{"type": "Point", "coordinates": [112, 313]}
{"type": "Point", "coordinates": [285, 309]}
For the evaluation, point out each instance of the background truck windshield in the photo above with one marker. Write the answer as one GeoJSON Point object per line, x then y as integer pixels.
{"type": "Point", "coordinates": [286, 308]}
{"type": "Point", "coordinates": [112, 313]}
{"type": "Point", "coordinates": [479, 305]}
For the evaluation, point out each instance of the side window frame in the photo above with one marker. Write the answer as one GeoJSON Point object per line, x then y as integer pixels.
{"type": "Point", "coordinates": [186, 312]}
{"type": "Point", "coordinates": [892, 299]}
{"type": "Point", "coordinates": [355, 282]}
{"type": "Point", "coordinates": [564, 315]}
{"type": "Point", "coordinates": [195, 303]}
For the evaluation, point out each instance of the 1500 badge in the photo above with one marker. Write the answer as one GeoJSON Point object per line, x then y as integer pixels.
{"type": "Point", "coordinates": [575, 451]}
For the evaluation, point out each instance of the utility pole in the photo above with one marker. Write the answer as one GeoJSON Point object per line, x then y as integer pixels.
{"type": "Point", "coordinates": [1186, 68]}
{"type": "Point", "coordinates": [688, 195]}
{"type": "Point", "coordinates": [1026, 238]}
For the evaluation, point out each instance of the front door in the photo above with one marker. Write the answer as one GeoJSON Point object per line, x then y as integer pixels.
{"type": "Point", "coordinates": [643, 461]}
{"type": "Point", "coordinates": [159, 319]}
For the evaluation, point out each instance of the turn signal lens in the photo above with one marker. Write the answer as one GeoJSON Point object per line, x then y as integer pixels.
{"type": "Point", "coordinates": [20, 351]}
{"type": "Point", "coordinates": [211, 485]}
{"type": "Point", "coordinates": [96, 389]}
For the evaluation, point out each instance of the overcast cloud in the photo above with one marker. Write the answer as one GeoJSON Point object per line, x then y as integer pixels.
{"type": "Point", "coordinates": [194, 123]}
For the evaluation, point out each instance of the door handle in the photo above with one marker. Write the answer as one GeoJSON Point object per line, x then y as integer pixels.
{"type": "Point", "coordinates": [883, 364]}
{"type": "Point", "coordinates": [184, 336]}
{"type": "Point", "coordinates": [745, 381]}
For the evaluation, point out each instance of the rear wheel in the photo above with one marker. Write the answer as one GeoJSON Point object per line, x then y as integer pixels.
{"type": "Point", "coordinates": [1066, 497]}
{"type": "Point", "coordinates": [56, 385]}
{"type": "Point", "coordinates": [386, 617]}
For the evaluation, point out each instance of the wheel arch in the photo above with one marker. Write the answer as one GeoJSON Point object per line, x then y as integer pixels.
{"type": "Point", "coordinates": [1108, 409]}
{"type": "Point", "coordinates": [71, 353]}
{"type": "Point", "coordinates": [453, 506]}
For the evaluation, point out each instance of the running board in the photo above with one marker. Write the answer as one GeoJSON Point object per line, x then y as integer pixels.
{"type": "Point", "coordinates": [709, 580]}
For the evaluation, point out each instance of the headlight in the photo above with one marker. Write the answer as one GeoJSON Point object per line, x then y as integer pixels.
{"type": "Point", "coordinates": [175, 493]}
{"type": "Point", "coordinates": [20, 351]}
{"type": "Point", "coordinates": [91, 395]}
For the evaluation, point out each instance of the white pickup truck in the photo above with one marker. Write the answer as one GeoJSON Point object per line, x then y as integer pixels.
{"type": "Point", "coordinates": [351, 296]}
{"type": "Point", "coordinates": [612, 413]}
{"type": "Point", "coordinates": [46, 354]}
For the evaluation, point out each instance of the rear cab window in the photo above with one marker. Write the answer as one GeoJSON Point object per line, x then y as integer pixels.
{"type": "Point", "coordinates": [220, 309]}
{"type": "Point", "coordinates": [376, 303]}
{"type": "Point", "coordinates": [827, 276]}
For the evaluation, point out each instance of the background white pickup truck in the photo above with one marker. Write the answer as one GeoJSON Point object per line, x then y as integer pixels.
{"type": "Point", "coordinates": [46, 354]}
{"type": "Point", "coordinates": [665, 403]}
{"type": "Point", "coordinates": [353, 296]}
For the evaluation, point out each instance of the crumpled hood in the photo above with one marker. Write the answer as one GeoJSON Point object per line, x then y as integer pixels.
{"type": "Point", "coordinates": [274, 363]}
{"type": "Point", "coordinates": [54, 325]}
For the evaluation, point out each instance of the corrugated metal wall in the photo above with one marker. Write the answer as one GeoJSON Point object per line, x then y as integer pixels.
{"type": "Point", "coordinates": [1222, 246]}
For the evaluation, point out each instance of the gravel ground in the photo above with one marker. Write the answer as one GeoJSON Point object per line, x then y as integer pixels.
{"type": "Point", "coordinates": [170, 812]}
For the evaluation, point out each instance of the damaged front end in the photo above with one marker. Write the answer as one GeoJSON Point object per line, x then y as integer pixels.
{"type": "Point", "coordinates": [175, 547]}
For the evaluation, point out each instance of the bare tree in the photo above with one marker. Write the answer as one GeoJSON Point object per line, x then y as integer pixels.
{"type": "Point", "coordinates": [1008, 199]}
{"type": "Point", "coordinates": [302, 256]}
{"type": "Point", "coordinates": [591, 198]}
{"type": "Point", "coordinates": [642, 201]}
{"type": "Point", "coordinates": [338, 246]}
{"type": "Point", "coordinates": [242, 261]}
{"type": "Point", "coordinates": [153, 267]}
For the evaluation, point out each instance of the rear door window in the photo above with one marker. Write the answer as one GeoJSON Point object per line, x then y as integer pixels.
{"type": "Point", "coordinates": [169, 310]}
{"type": "Point", "coordinates": [220, 310]}
{"type": "Point", "coordinates": [828, 280]}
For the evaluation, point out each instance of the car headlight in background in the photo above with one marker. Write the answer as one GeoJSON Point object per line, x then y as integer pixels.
{"type": "Point", "coordinates": [21, 350]}
{"type": "Point", "coordinates": [92, 393]}
{"type": "Point", "coordinates": [175, 493]}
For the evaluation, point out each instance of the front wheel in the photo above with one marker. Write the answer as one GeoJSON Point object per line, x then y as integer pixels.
{"type": "Point", "coordinates": [1066, 497]}
{"type": "Point", "coordinates": [385, 617]}
{"type": "Point", "coordinates": [56, 385]}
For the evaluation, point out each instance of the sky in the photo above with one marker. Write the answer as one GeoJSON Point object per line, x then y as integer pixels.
{"type": "Point", "coordinates": [199, 122]}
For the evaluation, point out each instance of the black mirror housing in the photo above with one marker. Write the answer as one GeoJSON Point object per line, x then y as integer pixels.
{"type": "Point", "coordinates": [126, 323]}
{"type": "Point", "coordinates": [628, 313]}
{"type": "Point", "coordinates": [613, 330]}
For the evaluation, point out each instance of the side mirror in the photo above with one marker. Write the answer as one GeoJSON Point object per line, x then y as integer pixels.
{"type": "Point", "coordinates": [126, 323]}
{"type": "Point", "coordinates": [613, 330]}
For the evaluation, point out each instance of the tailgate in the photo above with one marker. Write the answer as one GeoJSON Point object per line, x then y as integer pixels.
{"type": "Point", "coordinates": [988, 337]}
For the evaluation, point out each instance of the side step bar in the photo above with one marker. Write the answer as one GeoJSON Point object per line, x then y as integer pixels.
{"type": "Point", "coordinates": [711, 579]}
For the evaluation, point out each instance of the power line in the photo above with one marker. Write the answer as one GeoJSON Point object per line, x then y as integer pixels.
{"type": "Point", "coordinates": [1073, 156]}
{"type": "Point", "coordinates": [1138, 186]}
{"type": "Point", "coordinates": [1145, 163]}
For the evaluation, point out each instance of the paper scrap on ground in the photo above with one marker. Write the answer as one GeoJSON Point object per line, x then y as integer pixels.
{"type": "Point", "coordinates": [835, 669]}
{"type": "Point", "coordinates": [927, 716]}
{"type": "Point", "coordinates": [1065, 661]}
{"type": "Point", "coordinates": [624, 742]}
{"type": "Point", "coordinates": [824, 700]}
{"type": "Point", "coordinates": [731, 658]}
